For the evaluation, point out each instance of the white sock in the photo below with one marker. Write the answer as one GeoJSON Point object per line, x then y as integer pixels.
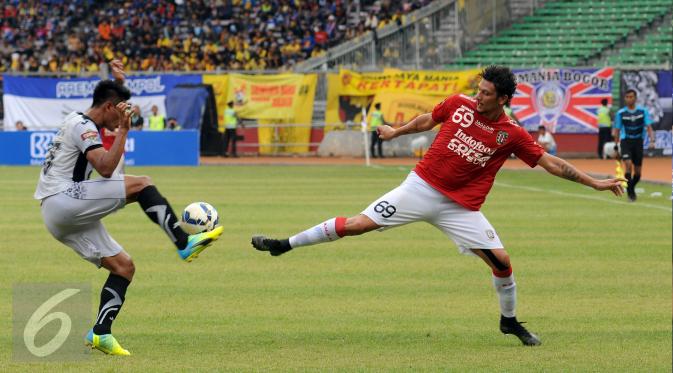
{"type": "Point", "coordinates": [505, 287]}
{"type": "Point", "coordinates": [329, 230]}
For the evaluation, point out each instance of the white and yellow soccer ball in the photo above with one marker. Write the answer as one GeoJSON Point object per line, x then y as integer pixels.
{"type": "Point", "coordinates": [199, 217]}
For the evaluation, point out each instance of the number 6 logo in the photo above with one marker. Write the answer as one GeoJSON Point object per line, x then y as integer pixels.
{"type": "Point", "coordinates": [40, 318]}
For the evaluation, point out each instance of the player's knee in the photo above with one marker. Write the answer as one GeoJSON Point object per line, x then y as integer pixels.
{"type": "Point", "coordinates": [358, 225]}
{"type": "Point", "coordinates": [144, 182]}
{"type": "Point", "coordinates": [125, 268]}
{"type": "Point", "coordinates": [498, 259]}
{"type": "Point", "coordinates": [504, 261]}
{"type": "Point", "coordinates": [128, 269]}
{"type": "Point", "coordinates": [135, 184]}
{"type": "Point", "coordinates": [140, 183]}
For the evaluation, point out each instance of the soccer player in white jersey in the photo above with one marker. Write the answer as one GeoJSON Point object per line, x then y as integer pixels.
{"type": "Point", "coordinates": [450, 183]}
{"type": "Point", "coordinates": [73, 206]}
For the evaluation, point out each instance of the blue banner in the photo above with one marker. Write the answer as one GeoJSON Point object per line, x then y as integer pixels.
{"type": "Point", "coordinates": [142, 85]}
{"type": "Point", "coordinates": [42, 103]}
{"type": "Point", "coordinates": [166, 148]}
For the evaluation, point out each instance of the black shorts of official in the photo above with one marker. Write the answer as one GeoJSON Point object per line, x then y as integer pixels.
{"type": "Point", "coordinates": [632, 149]}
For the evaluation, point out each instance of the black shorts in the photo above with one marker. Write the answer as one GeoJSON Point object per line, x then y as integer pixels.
{"type": "Point", "coordinates": [632, 150]}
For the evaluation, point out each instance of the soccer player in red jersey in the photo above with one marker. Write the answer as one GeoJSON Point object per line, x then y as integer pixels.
{"type": "Point", "coordinates": [450, 183]}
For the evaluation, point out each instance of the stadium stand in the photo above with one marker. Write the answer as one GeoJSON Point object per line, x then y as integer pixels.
{"type": "Point", "coordinates": [653, 49]}
{"type": "Point", "coordinates": [584, 29]}
{"type": "Point", "coordinates": [76, 36]}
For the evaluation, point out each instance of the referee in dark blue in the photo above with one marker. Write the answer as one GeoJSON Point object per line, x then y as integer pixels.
{"type": "Point", "coordinates": [632, 122]}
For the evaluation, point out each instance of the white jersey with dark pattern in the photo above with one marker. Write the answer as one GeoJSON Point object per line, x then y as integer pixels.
{"type": "Point", "coordinates": [66, 161]}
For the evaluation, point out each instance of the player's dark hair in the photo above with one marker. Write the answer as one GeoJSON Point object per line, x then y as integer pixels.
{"type": "Point", "coordinates": [108, 90]}
{"type": "Point", "coordinates": [542, 127]}
{"type": "Point", "coordinates": [604, 102]}
{"type": "Point", "coordinates": [230, 103]}
{"type": "Point", "coordinates": [631, 90]}
{"type": "Point", "coordinates": [377, 105]}
{"type": "Point", "coordinates": [502, 78]}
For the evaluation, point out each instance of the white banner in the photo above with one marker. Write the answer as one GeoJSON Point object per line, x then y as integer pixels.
{"type": "Point", "coordinates": [42, 103]}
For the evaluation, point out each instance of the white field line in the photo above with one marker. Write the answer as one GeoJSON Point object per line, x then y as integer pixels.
{"type": "Point", "coordinates": [583, 196]}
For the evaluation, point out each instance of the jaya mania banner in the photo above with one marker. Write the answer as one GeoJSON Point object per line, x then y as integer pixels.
{"type": "Point", "coordinates": [402, 94]}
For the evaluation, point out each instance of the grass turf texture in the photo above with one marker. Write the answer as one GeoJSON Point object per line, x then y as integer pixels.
{"type": "Point", "coordinates": [594, 278]}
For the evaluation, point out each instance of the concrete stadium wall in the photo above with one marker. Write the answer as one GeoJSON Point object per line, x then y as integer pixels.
{"type": "Point", "coordinates": [351, 144]}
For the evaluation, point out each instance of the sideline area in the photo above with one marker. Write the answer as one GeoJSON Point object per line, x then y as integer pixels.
{"type": "Point", "coordinates": [654, 169]}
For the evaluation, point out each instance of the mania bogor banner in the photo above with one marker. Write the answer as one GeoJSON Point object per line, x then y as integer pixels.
{"type": "Point", "coordinates": [562, 99]}
{"type": "Point", "coordinates": [654, 89]}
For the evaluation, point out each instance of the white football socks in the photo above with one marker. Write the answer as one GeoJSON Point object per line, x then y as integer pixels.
{"type": "Point", "coordinates": [505, 287]}
{"type": "Point", "coordinates": [329, 230]}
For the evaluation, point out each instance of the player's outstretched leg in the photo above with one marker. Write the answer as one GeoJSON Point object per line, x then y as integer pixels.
{"type": "Point", "coordinates": [196, 243]}
{"type": "Point", "coordinates": [273, 246]}
{"type": "Point", "coordinates": [157, 208]}
{"type": "Point", "coordinates": [505, 287]}
{"type": "Point", "coordinates": [327, 231]}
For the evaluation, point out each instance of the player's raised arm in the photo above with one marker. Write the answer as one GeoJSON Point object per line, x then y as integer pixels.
{"type": "Point", "coordinates": [421, 123]}
{"type": "Point", "coordinates": [105, 162]}
{"type": "Point", "coordinates": [118, 72]}
{"type": "Point", "coordinates": [559, 167]}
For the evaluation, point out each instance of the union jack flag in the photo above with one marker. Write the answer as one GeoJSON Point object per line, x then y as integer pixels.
{"type": "Point", "coordinates": [563, 100]}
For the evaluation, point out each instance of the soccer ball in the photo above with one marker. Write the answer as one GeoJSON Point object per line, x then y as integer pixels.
{"type": "Point", "coordinates": [199, 217]}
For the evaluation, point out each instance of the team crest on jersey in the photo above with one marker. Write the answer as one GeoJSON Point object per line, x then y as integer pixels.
{"type": "Point", "coordinates": [501, 137]}
{"type": "Point", "coordinates": [89, 135]}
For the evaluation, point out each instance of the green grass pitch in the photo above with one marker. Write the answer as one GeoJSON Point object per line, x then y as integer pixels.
{"type": "Point", "coordinates": [593, 274]}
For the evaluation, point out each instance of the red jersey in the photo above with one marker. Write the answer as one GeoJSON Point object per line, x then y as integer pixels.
{"type": "Point", "coordinates": [470, 149]}
{"type": "Point", "coordinates": [107, 137]}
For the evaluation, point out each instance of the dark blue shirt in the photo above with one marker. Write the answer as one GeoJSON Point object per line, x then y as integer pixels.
{"type": "Point", "coordinates": [632, 124]}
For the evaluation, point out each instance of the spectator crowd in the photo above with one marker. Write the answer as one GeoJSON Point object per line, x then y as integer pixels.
{"type": "Point", "coordinates": [160, 35]}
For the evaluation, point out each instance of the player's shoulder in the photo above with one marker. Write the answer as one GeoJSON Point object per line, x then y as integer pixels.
{"type": "Point", "coordinates": [507, 121]}
{"type": "Point", "coordinates": [622, 110]}
{"type": "Point", "coordinates": [465, 100]}
{"type": "Point", "coordinates": [457, 100]}
{"type": "Point", "coordinates": [76, 118]}
{"type": "Point", "coordinates": [78, 124]}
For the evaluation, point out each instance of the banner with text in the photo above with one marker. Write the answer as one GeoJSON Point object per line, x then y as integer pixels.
{"type": "Point", "coordinates": [143, 148]}
{"type": "Point", "coordinates": [42, 103]}
{"type": "Point", "coordinates": [276, 99]}
{"type": "Point", "coordinates": [269, 96]}
{"type": "Point", "coordinates": [563, 100]}
{"type": "Point", "coordinates": [409, 91]}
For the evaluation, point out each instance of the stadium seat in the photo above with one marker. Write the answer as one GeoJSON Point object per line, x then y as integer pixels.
{"type": "Point", "coordinates": [586, 27]}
